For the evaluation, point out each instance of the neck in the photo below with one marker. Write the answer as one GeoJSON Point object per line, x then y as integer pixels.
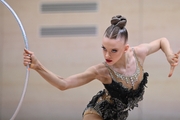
{"type": "Point", "coordinates": [122, 62]}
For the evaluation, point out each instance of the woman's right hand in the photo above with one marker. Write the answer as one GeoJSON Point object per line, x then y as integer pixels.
{"type": "Point", "coordinates": [30, 59]}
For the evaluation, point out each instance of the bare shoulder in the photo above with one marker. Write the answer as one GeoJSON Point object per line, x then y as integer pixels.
{"type": "Point", "coordinates": [141, 52]}
{"type": "Point", "coordinates": [101, 68]}
{"type": "Point", "coordinates": [96, 70]}
{"type": "Point", "coordinates": [102, 73]}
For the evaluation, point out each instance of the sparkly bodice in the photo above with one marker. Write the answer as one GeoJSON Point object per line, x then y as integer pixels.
{"type": "Point", "coordinates": [117, 90]}
{"type": "Point", "coordinates": [128, 79]}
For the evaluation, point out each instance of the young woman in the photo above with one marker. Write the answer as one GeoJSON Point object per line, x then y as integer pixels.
{"type": "Point", "coordinates": [121, 74]}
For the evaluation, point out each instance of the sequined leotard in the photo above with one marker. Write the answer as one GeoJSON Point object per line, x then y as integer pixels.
{"type": "Point", "coordinates": [114, 102]}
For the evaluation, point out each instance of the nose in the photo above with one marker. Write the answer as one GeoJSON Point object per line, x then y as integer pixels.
{"type": "Point", "coordinates": [107, 55]}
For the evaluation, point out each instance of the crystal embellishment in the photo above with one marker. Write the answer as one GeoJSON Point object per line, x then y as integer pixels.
{"type": "Point", "coordinates": [129, 79]}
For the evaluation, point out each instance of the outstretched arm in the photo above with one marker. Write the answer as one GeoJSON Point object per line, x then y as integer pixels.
{"type": "Point", "coordinates": [144, 50]}
{"type": "Point", "coordinates": [57, 81]}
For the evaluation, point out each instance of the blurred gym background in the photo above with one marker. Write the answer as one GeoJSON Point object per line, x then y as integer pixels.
{"type": "Point", "coordinates": [66, 35]}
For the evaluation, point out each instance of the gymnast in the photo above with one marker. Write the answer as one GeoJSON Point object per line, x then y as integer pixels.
{"type": "Point", "coordinates": [121, 73]}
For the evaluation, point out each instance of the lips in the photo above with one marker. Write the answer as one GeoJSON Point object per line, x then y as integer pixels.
{"type": "Point", "coordinates": [107, 60]}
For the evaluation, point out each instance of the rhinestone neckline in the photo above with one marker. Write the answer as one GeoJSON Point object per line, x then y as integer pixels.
{"type": "Point", "coordinates": [129, 79]}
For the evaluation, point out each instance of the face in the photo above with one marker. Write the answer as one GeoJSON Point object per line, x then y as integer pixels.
{"type": "Point", "coordinates": [113, 49]}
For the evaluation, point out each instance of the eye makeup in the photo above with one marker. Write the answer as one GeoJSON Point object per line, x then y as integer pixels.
{"type": "Point", "coordinates": [113, 50]}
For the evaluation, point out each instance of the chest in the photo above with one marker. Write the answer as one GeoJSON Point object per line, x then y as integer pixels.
{"type": "Point", "coordinates": [129, 70]}
{"type": "Point", "coordinates": [117, 89]}
{"type": "Point", "coordinates": [128, 81]}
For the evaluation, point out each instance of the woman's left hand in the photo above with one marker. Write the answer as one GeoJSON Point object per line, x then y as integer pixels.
{"type": "Point", "coordinates": [173, 60]}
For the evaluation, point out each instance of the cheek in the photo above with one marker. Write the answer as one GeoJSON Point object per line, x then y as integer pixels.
{"type": "Point", "coordinates": [117, 55]}
{"type": "Point", "coordinates": [103, 52]}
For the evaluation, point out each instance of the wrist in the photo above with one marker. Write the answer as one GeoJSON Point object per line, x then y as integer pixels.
{"type": "Point", "coordinates": [165, 47]}
{"type": "Point", "coordinates": [38, 66]}
{"type": "Point", "coordinates": [169, 53]}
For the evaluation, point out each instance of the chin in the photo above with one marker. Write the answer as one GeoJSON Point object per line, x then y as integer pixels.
{"type": "Point", "coordinates": [109, 63]}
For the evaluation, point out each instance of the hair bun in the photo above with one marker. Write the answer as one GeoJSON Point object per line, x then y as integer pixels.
{"type": "Point", "coordinates": [119, 21]}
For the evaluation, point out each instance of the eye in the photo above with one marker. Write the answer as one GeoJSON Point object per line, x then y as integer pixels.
{"type": "Point", "coordinates": [103, 48]}
{"type": "Point", "coordinates": [114, 51]}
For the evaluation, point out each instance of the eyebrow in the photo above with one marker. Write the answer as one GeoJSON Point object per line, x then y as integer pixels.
{"type": "Point", "coordinates": [112, 48]}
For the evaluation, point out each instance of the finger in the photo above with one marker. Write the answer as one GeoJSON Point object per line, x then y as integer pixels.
{"type": "Point", "coordinates": [25, 54]}
{"type": "Point", "coordinates": [27, 63]}
{"type": "Point", "coordinates": [27, 60]}
{"type": "Point", "coordinates": [178, 52]}
{"type": "Point", "coordinates": [27, 51]}
{"type": "Point", "coordinates": [175, 59]}
{"type": "Point", "coordinates": [174, 64]}
{"type": "Point", "coordinates": [27, 57]}
{"type": "Point", "coordinates": [171, 71]}
{"type": "Point", "coordinates": [176, 55]}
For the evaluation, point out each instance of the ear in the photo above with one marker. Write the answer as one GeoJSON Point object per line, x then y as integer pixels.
{"type": "Point", "coordinates": [126, 47]}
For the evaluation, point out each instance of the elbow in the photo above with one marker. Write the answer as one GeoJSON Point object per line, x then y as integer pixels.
{"type": "Point", "coordinates": [62, 88]}
{"type": "Point", "coordinates": [62, 85]}
{"type": "Point", "coordinates": [164, 39]}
